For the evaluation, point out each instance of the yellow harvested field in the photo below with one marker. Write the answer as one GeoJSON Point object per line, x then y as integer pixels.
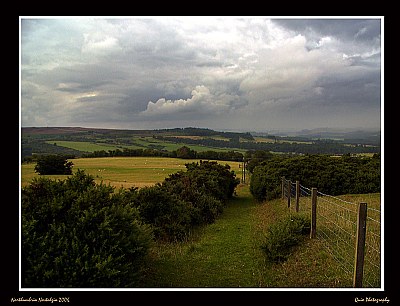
{"type": "Point", "coordinates": [123, 171]}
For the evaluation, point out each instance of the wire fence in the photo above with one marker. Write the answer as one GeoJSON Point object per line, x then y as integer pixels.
{"type": "Point", "coordinates": [336, 227]}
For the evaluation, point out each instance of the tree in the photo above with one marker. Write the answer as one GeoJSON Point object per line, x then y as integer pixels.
{"type": "Point", "coordinates": [53, 164]}
{"type": "Point", "coordinates": [185, 152]}
{"type": "Point", "coordinates": [255, 157]}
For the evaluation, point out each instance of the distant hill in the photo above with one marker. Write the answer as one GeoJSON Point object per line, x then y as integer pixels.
{"type": "Point", "coordinates": [78, 141]}
{"type": "Point", "coordinates": [345, 135]}
{"type": "Point", "coordinates": [192, 131]}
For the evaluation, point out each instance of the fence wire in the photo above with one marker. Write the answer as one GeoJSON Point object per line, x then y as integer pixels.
{"type": "Point", "coordinates": [337, 229]}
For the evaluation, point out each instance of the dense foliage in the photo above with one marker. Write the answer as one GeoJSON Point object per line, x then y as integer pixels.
{"type": "Point", "coordinates": [168, 215]}
{"type": "Point", "coordinates": [186, 199]}
{"type": "Point", "coordinates": [255, 157]}
{"type": "Point", "coordinates": [53, 164]}
{"type": "Point", "coordinates": [330, 175]}
{"type": "Point", "coordinates": [79, 234]}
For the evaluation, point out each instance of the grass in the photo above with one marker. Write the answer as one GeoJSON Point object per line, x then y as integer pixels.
{"type": "Point", "coordinates": [310, 264]}
{"type": "Point", "coordinates": [124, 171]}
{"type": "Point", "coordinates": [337, 227]}
{"type": "Point", "coordinates": [228, 253]}
{"type": "Point", "coordinates": [217, 256]}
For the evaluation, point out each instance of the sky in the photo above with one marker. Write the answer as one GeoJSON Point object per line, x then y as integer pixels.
{"type": "Point", "coordinates": [220, 72]}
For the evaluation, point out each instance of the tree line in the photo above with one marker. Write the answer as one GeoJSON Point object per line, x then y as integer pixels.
{"type": "Point", "coordinates": [330, 175]}
{"type": "Point", "coordinates": [323, 146]}
{"type": "Point", "coordinates": [183, 152]}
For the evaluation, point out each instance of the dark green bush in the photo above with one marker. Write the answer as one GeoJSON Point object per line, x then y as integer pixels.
{"type": "Point", "coordinates": [53, 164]}
{"type": "Point", "coordinates": [79, 234]}
{"type": "Point", "coordinates": [330, 175]}
{"type": "Point", "coordinates": [265, 182]}
{"type": "Point", "coordinates": [213, 179]}
{"type": "Point", "coordinates": [206, 209]}
{"type": "Point", "coordinates": [186, 199]}
{"type": "Point", "coordinates": [283, 235]}
{"type": "Point", "coordinates": [169, 216]}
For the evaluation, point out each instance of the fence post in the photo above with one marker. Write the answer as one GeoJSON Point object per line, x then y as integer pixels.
{"type": "Point", "coordinates": [360, 245]}
{"type": "Point", "coordinates": [313, 212]}
{"type": "Point", "coordinates": [297, 195]}
{"type": "Point", "coordinates": [289, 191]}
{"type": "Point", "coordinates": [283, 187]}
{"type": "Point", "coordinates": [244, 172]}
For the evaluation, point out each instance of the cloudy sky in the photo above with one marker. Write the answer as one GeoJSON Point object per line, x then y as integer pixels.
{"type": "Point", "coordinates": [237, 73]}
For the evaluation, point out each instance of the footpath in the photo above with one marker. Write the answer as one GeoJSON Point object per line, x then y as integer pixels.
{"type": "Point", "coordinates": [224, 254]}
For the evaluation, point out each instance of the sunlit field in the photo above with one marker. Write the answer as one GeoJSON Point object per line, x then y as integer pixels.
{"type": "Point", "coordinates": [124, 171]}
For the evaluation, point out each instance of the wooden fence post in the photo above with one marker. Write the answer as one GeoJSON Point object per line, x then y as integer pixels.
{"type": "Point", "coordinates": [244, 172]}
{"type": "Point", "coordinates": [360, 245]}
{"type": "Point", "coordinates": [289, 191]}
{"type": "Point", "coordinates": [313, 212]}
{"type": "Point", "coordinates": [297, 195]}
{"type": "Point", "coordinates": [283, 187]}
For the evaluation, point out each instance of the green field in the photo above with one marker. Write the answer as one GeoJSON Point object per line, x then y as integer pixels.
{"type": "Point", "coordinates": [89, 146]}
{"type": "Point", "coordinates": [228, 253]}
{"type": "Point", "coordinates": [137, 143]}
{"type": "Point", "coordinates": [124, 171]}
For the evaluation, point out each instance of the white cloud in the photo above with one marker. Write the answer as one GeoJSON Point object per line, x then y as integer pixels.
{"type": "Point", "coordinates": [98, 43]}
{"type": "Point", "coordinates": [202, 102]}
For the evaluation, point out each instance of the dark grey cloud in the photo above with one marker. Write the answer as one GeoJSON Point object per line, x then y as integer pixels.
{"type": "Point", "coordinates": [225, 73]}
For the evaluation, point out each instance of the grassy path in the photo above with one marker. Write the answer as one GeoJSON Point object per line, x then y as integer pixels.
{"type": "Point", "coordinates": [226, 253]}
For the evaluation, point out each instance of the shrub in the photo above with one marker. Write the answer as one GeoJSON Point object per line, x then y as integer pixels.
{"type": "Point", "coordinates": [283, 235]}
{"type": "Point", "coordinates": [206, 209]}
{"type": "Point", "coordinates": [205, 187]}
{"type": "Point", "coordinates": [169, 216]}
{"type": "Point", "coordinates": [265, 182]}
{"type": "Point", "coordinates": [213, 179]}
{"type": "Point", "coordinates": [79, 234]}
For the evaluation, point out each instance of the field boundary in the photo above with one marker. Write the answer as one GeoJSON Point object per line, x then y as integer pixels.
{"type": "Point", "coordinates": [350, 232]}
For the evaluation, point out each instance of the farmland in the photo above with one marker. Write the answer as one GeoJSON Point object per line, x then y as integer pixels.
{"type": "Point", "coordinates": [80, 141]}
{"type": "Point", "coordinates": [136, 143]}
{"type": "Point", "coordinates": [123, 171]}
{"type": "Point", "coordinates": [227, 253]}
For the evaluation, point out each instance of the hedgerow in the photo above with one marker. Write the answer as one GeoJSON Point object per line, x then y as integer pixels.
{"type": "Point", "coordinates": [330, 175]}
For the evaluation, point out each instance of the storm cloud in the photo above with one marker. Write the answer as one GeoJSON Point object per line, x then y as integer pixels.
{"type": "Point", "coordinates": [240, 73]}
